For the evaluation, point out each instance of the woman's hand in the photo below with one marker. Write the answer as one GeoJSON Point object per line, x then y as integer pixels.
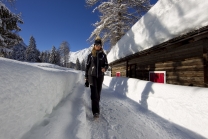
{"type": "Point", "coordinates": [103, 69]}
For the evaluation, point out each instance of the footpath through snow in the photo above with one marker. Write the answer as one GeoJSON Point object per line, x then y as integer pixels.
{"type": "Point", "coordinates": [121, 118]}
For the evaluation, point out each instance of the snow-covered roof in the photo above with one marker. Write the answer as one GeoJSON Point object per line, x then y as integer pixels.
{"type": "Point", "coordinates": [164, 21]}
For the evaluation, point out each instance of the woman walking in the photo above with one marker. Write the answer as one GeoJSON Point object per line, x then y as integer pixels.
{"type": "Point", "coordinates": [96, 65]}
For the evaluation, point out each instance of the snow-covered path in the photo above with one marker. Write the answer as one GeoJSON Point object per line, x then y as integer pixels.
{"type": "Point", "coordinates": [121, 118]}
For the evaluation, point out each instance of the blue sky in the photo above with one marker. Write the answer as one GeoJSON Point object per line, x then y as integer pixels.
{"type": "Point", "coordinates": [51, 22]}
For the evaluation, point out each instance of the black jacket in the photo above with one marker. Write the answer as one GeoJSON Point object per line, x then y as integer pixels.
{"type": "Point", "coordinates": [95, 64]}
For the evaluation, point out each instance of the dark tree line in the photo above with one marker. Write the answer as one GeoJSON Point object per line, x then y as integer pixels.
{"type": "Point", "coordinates": [30, 53]}
{"type": "Point", "coordinates": [80, 66]}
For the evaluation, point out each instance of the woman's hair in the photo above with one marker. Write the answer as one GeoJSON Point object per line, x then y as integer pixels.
{"type": "Point", "coordinates": [94, 51]}
{"type": "Point", "coordinates": [97, 41]}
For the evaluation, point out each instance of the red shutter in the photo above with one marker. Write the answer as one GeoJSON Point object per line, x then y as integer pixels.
{"type": "Point", "coordinates": [158, 77]}
{"type": "Point", "coordinates": [118, 74]}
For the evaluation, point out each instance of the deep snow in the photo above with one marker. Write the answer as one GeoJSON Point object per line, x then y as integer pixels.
{"type": "Point", "coordinates": [39, 100]}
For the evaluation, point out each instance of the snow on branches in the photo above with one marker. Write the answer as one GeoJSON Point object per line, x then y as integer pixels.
{"type": "Point", "coordinates": [9, 27]}
{"type": "Point", "coordinates": [116, 18]}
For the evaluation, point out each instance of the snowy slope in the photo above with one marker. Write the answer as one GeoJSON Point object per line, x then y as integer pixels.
{"type": "Point", "coordinates": [167, 19]}
{"type": "Point", "coordinates": [81, 55]}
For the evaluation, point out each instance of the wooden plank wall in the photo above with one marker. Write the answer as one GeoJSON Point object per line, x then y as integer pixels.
{"type": "Point", "coordinates": [184, 64]}
{"type": "Point", "coordinates": [121, 67]}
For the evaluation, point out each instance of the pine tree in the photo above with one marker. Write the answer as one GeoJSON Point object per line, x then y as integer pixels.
{"type": "Point", "coordinates": [57, 58]}
{"type": "Point", "coordinates": [9, 26]}
{"type": "Point", "coordinates": [47, 56]}
{"type": "Point", "coordinates": [117, 17]}
{"type": "Point", "coordinates": [41, 56]}
{"type": "Point", "coordinates": [1, 53]}
{"type": "Point", "coordinates": [78, 65]}
{"type": "Point", "coordinates": [31, 53]}
{"type": "Point", "coordinates": [64, 50]}
{"type": "Point", "coordinates": [44, 57]}
{"type": "Point", "coordinates": [18, 52]}
{"type": "Point", "coordinates": [8, 54]}
{"type": "Point", "coordinates": [52, 58]}
{"type": "Point", "coordinates": [83, 65]}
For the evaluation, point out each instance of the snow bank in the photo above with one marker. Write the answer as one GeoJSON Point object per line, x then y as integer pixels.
{"type": "Point", "coordinates": [28, 93]}
{"type": "Point", "coordinates": [182, 105]}
{"type": "Point", "coordinates": [167, 19]}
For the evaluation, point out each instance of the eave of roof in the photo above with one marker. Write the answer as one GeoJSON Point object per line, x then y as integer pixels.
{"type": "Point", "coordinates": [187, 36]}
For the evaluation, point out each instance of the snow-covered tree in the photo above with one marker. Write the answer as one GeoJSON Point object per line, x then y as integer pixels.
{"type": "Point", "coordinates": [9, 26]}
{"type": "Point", "coordinates": [78, 65]}
{"type": "Point", "coordinates": [47, 55]}
{"type": "Point", "coordinates": [52, 58]}
{"type": "Point", "coordinates": [41, 56]}
{"type": "Point", "coordinates": [57, 58]}
{"type": "Point", "coordinates": [31, 53]}
{"type": "Point", "coordinates": [18, 52]}
{"type": "Point", "coordinates": [1, 52]}
{"type": "Point", "coordinates": [44, 56]}
{"type": "Point", "coordinates": [83, 65]}
{"type": "Point", "coordinates": [64, 50]}
{"type": "Point", "coordinates": [117, 17]}
{"type": "Point", "coordinates": [8, 54]}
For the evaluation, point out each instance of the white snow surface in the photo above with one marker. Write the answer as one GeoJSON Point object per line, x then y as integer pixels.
{"type": "Point", "coordinates": [45, 101]}
{"type": "Point", "coordinates": [166, 20]}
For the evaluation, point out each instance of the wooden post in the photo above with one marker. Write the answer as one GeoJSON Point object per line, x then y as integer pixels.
{"type": "Point", "coordinates": [205, 58]}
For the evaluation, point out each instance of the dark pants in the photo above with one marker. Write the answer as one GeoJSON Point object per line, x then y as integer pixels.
{"type": "Point", "coordinates": [96, 87]}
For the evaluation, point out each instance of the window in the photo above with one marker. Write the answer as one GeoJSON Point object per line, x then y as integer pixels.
{"type": "Point", "coordinates": [132, 71]}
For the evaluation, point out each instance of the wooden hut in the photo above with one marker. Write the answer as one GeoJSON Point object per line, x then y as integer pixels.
{"type": "Point", "coordinates": [182, 60]}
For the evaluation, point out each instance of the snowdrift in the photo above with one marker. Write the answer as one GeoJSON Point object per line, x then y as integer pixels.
{"type": "Point", "coordinates": [29, 92]}
{"type": "Point", "coordinates": [185, 106]}
{"type": "Point", "coordinates": [182, 105]}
